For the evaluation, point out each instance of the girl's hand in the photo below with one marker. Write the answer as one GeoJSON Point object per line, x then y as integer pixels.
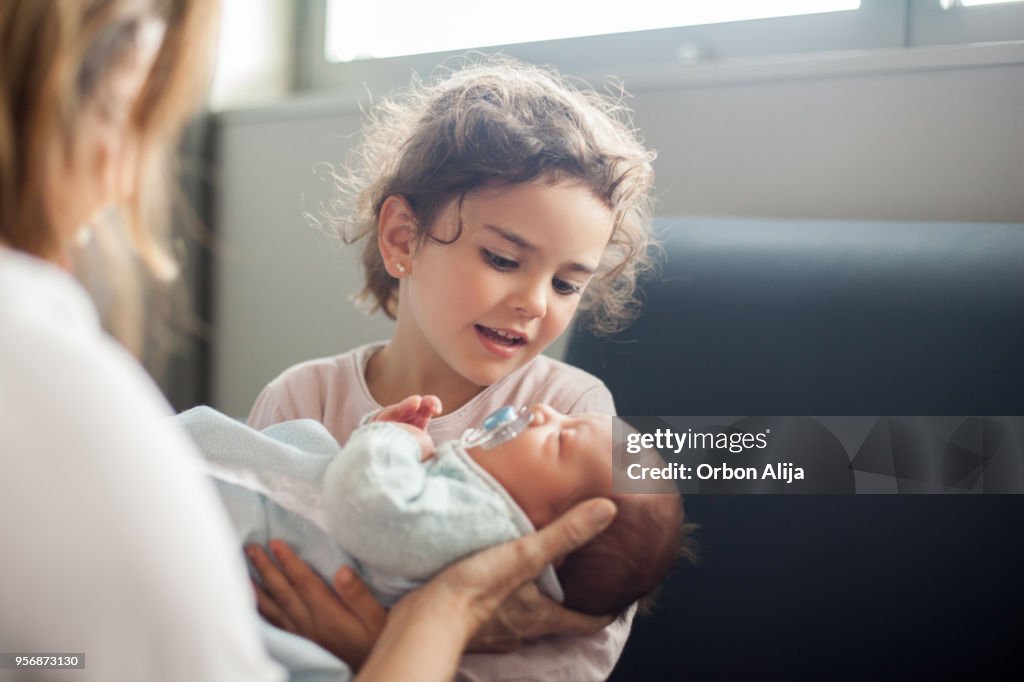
{"type": "Point", "coordinates": [416, 410]}
{"type": "Point", "coordinates": [346, 620]}
{"type": "Point", "coordinates": [528, 615]}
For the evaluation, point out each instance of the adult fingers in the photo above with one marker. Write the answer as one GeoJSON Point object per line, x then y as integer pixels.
{"type": "Point", "coordinates": [489, 577]}
{"type": "Point", "coordinates": [359, 600]}
{"type": "Point", "coordinates": [527, 614]}
{"type": "Point", "coordinates": [563, 621]}
{"type": "Point", "coordinates": [570, 531]}
{"type": "Point", "coordinates": [278, 587]}
{"type": "Point", "coordinates": [270, 611]}
{"type": "Point", "coordinates": [308, 586]}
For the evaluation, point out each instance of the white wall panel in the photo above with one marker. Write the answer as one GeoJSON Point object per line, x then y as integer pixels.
{"type": "Point", "coordinates": [911, 135]}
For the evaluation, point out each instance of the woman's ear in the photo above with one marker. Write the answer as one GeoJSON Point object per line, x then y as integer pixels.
{"type": "Point", "coordinates": [397, 230]}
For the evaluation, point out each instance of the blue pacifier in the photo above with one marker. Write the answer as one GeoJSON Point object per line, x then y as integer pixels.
{"type": "Point", "coordinates": [501, 426]}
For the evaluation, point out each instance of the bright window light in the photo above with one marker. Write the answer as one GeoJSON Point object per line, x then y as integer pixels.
{"type": "Point", "coordinates": [367, 30]}
{"type": "Point", "coordinates": [975, 3]}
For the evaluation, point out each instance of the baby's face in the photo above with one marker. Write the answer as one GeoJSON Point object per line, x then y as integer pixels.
{"type": "Point", "coordinates": [556, 461]}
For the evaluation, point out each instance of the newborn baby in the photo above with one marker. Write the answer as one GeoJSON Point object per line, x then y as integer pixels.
{"type": "Point", "coordinates": [400, 509]}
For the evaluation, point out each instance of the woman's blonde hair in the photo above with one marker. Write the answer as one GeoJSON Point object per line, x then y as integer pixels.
{"type": "Point", "coordinates": [54, 57]}
{"type": "Point", "coordinates": [501, 122]}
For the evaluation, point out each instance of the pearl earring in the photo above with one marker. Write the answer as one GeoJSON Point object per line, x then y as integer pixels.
{"type": "Point", "coordinates": [84, 236]}
{"type": "Point", "coordinates": [400, 268]}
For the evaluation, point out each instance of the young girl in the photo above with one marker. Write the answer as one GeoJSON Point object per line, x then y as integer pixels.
{"type": "Point", "coordinates": [494, 205]}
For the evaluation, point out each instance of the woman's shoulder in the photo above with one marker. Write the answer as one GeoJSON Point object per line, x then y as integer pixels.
{"type": "Point", "coordinates": [38, 296]}
{"type": "Point", "coordinates": [88, 431]}
{"type": "Point", "coordinates": [53, 336]}
{"type": "Point", "coordinates": [59, 369]}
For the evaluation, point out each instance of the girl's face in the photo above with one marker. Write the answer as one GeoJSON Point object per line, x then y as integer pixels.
{"type": "Point", "coordinates": [509, 285]}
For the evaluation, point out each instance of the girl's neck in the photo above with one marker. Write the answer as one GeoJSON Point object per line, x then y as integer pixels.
{"type": "Point", "coordinates": [403, 368]}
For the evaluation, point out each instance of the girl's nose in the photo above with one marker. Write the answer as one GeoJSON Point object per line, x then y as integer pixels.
{"type": "Point", "coordinates": [531, 298]}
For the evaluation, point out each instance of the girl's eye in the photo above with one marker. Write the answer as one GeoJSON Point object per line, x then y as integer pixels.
{"type": "Point", "coordinates": [499, 262]}
{"type": "Point", "coordinates": [565, 288]}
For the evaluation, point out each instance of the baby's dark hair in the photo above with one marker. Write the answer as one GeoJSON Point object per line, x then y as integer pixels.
{"type": "Point", "coordinates": [497, 123]}
{"type": "Point", "coordinates": [631, 558]}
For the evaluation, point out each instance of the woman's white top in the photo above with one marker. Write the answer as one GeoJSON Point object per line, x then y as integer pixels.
{"type": "Point", "coordinates": [113, 543]}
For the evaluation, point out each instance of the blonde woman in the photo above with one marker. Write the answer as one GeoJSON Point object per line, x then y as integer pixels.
{"type": "Point", "coordinates": [101, 556]}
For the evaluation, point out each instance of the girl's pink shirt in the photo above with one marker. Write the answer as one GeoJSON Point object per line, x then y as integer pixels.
{"type": "Point", "coordinates": [333, 391]}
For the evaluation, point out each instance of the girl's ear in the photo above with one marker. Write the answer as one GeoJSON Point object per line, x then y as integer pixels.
{"type": "Point", "coordinates": [396, 235]}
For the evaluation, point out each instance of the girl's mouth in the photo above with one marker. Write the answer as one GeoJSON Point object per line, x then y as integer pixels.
{"type": "Point", "coordinates": [500, 341]}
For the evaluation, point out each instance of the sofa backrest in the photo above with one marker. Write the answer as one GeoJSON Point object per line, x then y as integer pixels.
{"type": "Point", "coordinates": [786, 317]}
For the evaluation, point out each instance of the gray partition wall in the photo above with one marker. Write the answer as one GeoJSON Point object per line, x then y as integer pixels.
{"type": "Point", "coordinates": [922, 134]}
{"type": "Point", "coordinates": [281, 286]}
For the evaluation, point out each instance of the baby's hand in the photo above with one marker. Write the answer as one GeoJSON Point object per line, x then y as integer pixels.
{"type": "Point", "coordinates": [416, 410]}
{"type": "Point", "coordinates": [414, 413]}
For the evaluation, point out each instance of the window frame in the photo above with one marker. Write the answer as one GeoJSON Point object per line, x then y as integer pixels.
{"type": "Point", "coordinates": [929, 24]}
{"type": "Point", "coordinates": [877, 25]}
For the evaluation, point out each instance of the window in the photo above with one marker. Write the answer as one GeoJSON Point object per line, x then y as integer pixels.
{"type": "Point", "coordinates": [653, 37]}
{"type": "Point", "coordinates": [356, 30]}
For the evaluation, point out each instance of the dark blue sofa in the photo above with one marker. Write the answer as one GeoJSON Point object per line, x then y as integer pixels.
{"type": "Point", "coordinates": [781, 317]}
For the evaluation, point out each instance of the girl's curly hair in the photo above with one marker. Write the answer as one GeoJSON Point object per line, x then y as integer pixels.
{"type": "Point", "coordinates": [492, 123]}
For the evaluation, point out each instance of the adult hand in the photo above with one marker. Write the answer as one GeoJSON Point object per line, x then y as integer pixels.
{"type": "Point", "coordinates": [346, 620]}
{"type": "Point", "coordinates": [526, 615]}
{"type": "Point", "coordinates": [428, 629]}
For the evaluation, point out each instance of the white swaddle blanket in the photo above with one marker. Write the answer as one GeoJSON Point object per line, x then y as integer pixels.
{"type": "Point", "coordinates": [371, 504]}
